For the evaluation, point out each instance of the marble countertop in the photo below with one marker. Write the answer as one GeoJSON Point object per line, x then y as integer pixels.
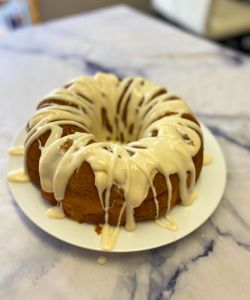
{"type": "Point", "coordinates": [212, 262]}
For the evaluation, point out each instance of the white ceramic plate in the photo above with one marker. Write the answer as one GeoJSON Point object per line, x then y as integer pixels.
{"type": "Point", "coordinates": [148, 235]}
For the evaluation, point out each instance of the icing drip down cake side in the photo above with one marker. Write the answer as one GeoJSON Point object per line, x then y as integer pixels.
{"type": "Point", "coordinates": [114, 151]}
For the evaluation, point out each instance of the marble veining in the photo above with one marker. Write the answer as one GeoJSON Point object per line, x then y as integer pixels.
{"type": "Point", "coordinates": [212, 262]}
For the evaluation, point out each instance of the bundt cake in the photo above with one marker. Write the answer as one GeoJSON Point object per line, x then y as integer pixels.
{"type": "Point", "coordinates": [114, 151]}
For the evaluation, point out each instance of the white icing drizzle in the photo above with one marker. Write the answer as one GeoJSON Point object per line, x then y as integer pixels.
{"type": "Point", "coordinates": [56, 212]}
{"type": "Point", "coordinates": [168, 223]}
{"type": "Point", "coordinates": [18, 176]}
{"type": "Point", "coordinates": [207, 159]}
{"type": "Point", "coordinates": [102, 260]}
{"type": "Point", "coordinates": [16, 151]}
{"type": "Point", "coordinates": [109, 236]}
{"type": "Point", "coordinates": [120, 116]}
{"type": "Point", "coordinates": [192, 197]}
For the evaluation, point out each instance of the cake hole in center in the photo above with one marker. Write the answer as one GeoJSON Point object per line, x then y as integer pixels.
{"type": "Point", "coordinates": [116, 131]}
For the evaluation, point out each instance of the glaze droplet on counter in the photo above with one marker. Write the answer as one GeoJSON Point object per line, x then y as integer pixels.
{"type": "Point", "coordinates": [102, 260]}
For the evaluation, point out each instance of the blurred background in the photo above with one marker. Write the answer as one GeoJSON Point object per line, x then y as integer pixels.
{"type": "Point", "coordinates": [224, 21]}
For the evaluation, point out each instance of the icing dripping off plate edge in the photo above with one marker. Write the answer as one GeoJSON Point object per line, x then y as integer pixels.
{"type": "Point", "coordinates": [148, 235]}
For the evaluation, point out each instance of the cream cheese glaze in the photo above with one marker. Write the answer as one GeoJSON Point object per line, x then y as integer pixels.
{"type": "Point", "coordinates": [18, 176]}
{"type": "Point", "coordinates": [168, 223]}
{"type": "Point", "coordinates": [102, 260]}
{"type": "Point", "coordinates": [16, 151]}
{"type": "Point", "coordinates": [133, 129]}
{"type": "Point", "coordinates": [56, 212]}
{"type": "Point", "coordinates": [207, 159]}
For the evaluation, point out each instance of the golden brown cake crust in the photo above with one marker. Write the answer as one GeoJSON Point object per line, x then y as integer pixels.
{"type": "Point", "coordinates": [82, 203]}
